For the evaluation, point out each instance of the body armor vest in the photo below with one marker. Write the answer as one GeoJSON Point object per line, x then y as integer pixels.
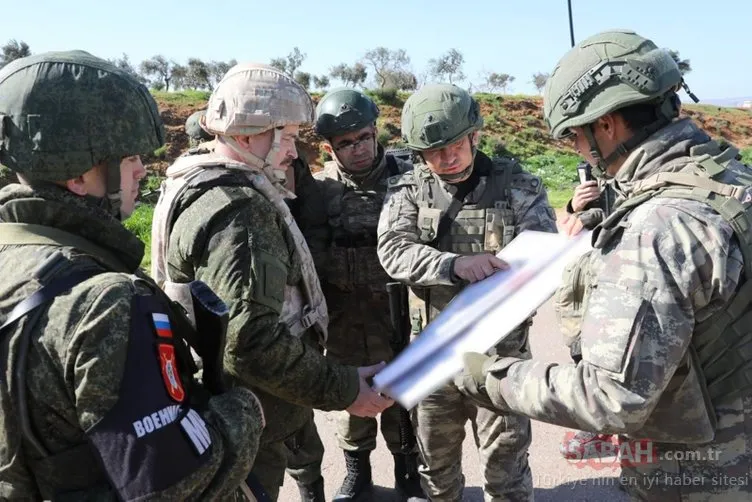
{"type": "Point", "coordinates": [353, 217]}
{"type": "Point", "coordinates": [720, 353]}
{"type": "Point", "coordinates": [304, 305]}
{"type": "Point", "coordinates": [485, 223]}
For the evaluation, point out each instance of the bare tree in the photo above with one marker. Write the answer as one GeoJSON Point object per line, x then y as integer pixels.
{"type": "Point", "coordinates": [159, 68]}
{"type": "Point", "coordinates": [180, 76]}
{"type": "Point", "coordinates": [400, 79]}
{"type": "Point", "coordinates": [198, 75]}
{"type": "Point", "coordinates": [384, 60]}
{"type": "Point", "coordinates": [320, 82]}
{"type": "Point", "coordinates": [448, 65]}
{"type": "Point", "coordinates": [290, 63]}
{"type": "Point", "coordinates": [124, 63]}
{"type": "Point", "coordinates": [217, 70]}
{"type": "Point", "coordinates": [497, 81]}
{"type": "Point", "coordinates": [303, 79]}
{"type": "Point", "coordinates": [539, 81]}
{"type": "Point", "coordinates": [13, 50]}
{"type": "Point", "coordinates": [355, 74]}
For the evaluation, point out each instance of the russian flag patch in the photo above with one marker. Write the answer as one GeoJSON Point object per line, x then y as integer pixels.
{"type": "Point", "coordinates": [162, 325]}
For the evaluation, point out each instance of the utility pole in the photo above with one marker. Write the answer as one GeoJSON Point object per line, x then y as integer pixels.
{"type": "Point", "coordinates": [571, 25]}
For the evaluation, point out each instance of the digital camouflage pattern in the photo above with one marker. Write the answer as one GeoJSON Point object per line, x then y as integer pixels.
{"type": "Point", "coordinates": [354, 284]}
{"type": "Point", "coordinates": [605, 72]}
{"type": "Point", "coordinates": [668, 265]}
{"type": "Point", "coordinates": [233, 238]}
{"type": "Point", "coordinates": [89, 92]}
{"type": "Point", "coordinates": [75, 361]}
{"type": "Point", "coordinates": [404, 251]}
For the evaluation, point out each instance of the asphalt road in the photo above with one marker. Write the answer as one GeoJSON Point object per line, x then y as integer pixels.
{"type": "Point", "coordinates": [554, 478]}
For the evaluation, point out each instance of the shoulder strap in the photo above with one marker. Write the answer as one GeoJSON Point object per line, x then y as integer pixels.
{"type": "Point", "coordinates": [46, 293]}
{"type": "Point", "coordinates": [28, 234]}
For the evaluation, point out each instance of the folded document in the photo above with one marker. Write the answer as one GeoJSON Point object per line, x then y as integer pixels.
{"type": "Point", "coordinates": [482, 315]}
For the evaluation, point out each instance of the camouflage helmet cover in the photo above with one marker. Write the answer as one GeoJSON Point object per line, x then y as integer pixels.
{"type": "Point", "coordinates": [344, 110]}
{"type": "Point", "coordinates": [253, 98]}
{"type": "Point", "coordinates": [603, 73]}
{"type": "Point", "coordinates": [193, 127]}
{"type": "Point", "coordinates": [437, 115]}
{"type": "Point", "coordinates": [63, 112]}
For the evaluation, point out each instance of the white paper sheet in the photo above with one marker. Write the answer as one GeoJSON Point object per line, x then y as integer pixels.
{"type": "Point", "coordinates": [482, 314]}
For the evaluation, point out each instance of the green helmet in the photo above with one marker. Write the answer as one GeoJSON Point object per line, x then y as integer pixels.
{"type": "Point", "coordinates": [605, 72]}
{"type": "Point", "coordinates": [437, 115]}
{"type": "Point", "coordinates": [194, 130]}
{"type": "Point", "coordinates": [344, 110]}
{"type": "Point", "coordinates": [63, 112]}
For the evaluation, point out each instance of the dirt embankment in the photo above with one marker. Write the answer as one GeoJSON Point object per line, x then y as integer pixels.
{"type": "Point", "coordinates": [516, 121]}
{"type": "Point", "coordinates": [506, 117]}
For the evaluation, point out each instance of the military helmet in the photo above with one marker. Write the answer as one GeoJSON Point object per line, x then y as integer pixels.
{"type": "Point", "coordinates": [603, 73]}
{"type": "Point", "coordinates": [193, 127]}
{"type": "Point", "coordinates": [63, 112]}
{"type": "Point", "coordinates": [253, 98]}
{"type": "Point", "coordinates": [437, 115]}
{"type": "Point", "coordinates": [344, 110]}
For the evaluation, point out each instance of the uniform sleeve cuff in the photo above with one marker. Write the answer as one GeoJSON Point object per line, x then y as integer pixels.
{"type": "Point", "coordinates": [495, 373]}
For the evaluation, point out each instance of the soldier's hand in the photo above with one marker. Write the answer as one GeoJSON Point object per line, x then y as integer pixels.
{"type": "Point", "coordinates": [369, 403]}
{"type": "Point", "coordinates": [477, 267]}
{"type": "Point", "coordinates": [570, 225]}
{"type": "Point", "coordinates": [585, 193]}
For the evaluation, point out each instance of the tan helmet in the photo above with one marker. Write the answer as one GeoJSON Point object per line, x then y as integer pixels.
{"type": "Point", "coordinates": [252, 98]}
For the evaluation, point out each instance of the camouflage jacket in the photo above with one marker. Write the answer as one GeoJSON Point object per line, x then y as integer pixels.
{"type": "Point", "coordinates": [87, 355]}
{"type": "Point", "coordinates": [233, 238]}
{"type": "Point", "coordinates": [414, 205]}
{"type": "Point", "coordinates": [353, 205]}
{"type": "Point", "coordinates": [344, 246]}
{"type": "Point", "coordinates": [656, 274]}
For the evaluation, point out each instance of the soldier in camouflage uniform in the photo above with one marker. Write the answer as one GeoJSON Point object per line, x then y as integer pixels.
{"type": "Point", "coordinates": [352, 187]}
{"type": "Point", "coordinates": [439, 230]}
{"type": "Point", "coordinates": [196, 134]}
{"type": "Point", "coordinates": [222, 218]}
{"type": "Point", "coordinates": [590, 204]}
{"type": "Point", "coordinates": [665, 293]}
{"type": "Point", "coordinates": [94, 368]}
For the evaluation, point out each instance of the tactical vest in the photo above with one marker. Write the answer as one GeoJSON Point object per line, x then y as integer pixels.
{"type": "Point", "coordinates": [83, 470]}
{"type": "Point", "coordinates": [304, 305]}
{"type": "Point", "coordinates": [353, 217]}
{"type": "Point", "coordinates": [720, 351]}
{"type": "Point", "coordinates": [486, 225]}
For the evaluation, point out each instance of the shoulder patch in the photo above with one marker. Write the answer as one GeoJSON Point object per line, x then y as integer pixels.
{"type": "Point", "coordinates": [404, 179]}
{"type": "Point", "coordinates": [167, 359]}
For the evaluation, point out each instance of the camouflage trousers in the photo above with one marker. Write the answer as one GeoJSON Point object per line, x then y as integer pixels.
{"type": "Point", "coordinates": [300, 455]}
{"type": "Point", "coordinates": [359, 334]}
{"type": "Point", "coordinates": [502, 439]}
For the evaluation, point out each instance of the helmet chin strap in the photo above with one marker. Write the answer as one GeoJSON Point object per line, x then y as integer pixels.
{"type": "Point", "coordinates": [113, 199]}
{"type": "Point", "coordinates": [668, 109]}
{"type": "Point", "coordinates": [277, 177]}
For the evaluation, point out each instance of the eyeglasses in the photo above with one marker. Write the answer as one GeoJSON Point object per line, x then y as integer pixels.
{"type": "Point", "coordinates": [350, 146]}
